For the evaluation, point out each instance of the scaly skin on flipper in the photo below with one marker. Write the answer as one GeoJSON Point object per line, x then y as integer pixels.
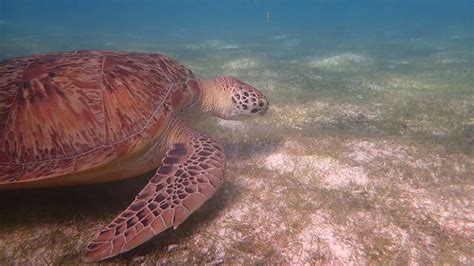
{"type": "Point", "coordinates": [191, 173]}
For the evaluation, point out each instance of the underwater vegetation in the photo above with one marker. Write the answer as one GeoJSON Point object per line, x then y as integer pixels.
{"type": "Point", "coordinates": [365, 154]}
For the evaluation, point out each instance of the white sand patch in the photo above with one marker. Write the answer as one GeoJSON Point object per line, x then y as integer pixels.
{"type": "Point", "coordinates": [402, 62]}
{"type": "Point", "coordinates": [342, 176]}
{"type": "Point", "coordinates": [220, 44]}
{"type": "Point", "coordinates": [290, 43]}
{"type": "Point", "coordinates": [280, 162]}
{"type": "Point", "coordinates": [280, 37]}
{"type": "Point", "coordinates": [407, 83]}
{"type": "Point", "coordinates": [450, 57]}
{"type": "Point", "coordinates": [287, 41]}
{"type": "Point", "coordinates": [376, 87]}
{"type": "Point", "coordinates": [452, 61]}
{"type": "Point", "coordinates": [193, 47]}
{"type": "Point", "coordinates": [214, 44]}
{"type": "Point", "coordinates": [234, 125]}
{"type": "Point", "coordinates": [321, 239]}
{"type": "Point", "coordinates": [329, 172]}
{"type": "Point", "coordinates": [341, 62]}
{"type": "Point", "coordinates": [242, 63]}
{"type": "Point", "coordinates": [366, 152]}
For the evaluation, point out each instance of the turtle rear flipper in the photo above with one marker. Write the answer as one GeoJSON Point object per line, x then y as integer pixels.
{"type": "Point", "coordinates": [191, 173]}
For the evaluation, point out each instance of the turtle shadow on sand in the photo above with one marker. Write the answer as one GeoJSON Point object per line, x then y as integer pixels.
{"type": "Point", "coordinates": [63, 204]}
{"type": "Point", "coordinates": [99, 203]}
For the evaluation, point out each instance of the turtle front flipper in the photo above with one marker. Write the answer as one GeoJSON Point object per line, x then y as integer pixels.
{"type": "Point", "coordinates": [191, 173]}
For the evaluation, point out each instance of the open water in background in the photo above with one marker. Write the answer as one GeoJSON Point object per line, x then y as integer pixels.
{"type": "Point", "coordinates": [28, 27]}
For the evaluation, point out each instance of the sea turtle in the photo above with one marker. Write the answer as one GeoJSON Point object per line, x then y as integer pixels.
{"type": "Point", "coordinates": [83, 117]}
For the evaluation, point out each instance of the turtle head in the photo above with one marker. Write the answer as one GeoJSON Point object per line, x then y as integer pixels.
{"type": "Point", "coordinates": [232, 99]}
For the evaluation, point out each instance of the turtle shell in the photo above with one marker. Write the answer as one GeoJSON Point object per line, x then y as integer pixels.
{"type": "Point", "coordinates": [63, 113]}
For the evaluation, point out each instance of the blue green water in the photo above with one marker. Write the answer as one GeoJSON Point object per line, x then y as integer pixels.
{"type": "Point", "coordinates": [28, 27]}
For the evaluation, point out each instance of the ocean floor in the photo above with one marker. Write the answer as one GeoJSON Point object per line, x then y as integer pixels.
{"type": "Point", "coordinates": [365, 156]}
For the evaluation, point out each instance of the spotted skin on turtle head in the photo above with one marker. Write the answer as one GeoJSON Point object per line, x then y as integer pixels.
{"type": "Point", "coordinates": [247, 101]}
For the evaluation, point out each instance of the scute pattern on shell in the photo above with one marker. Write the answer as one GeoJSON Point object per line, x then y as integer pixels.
{"type": "Point", "coordinates": [64, 112]}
